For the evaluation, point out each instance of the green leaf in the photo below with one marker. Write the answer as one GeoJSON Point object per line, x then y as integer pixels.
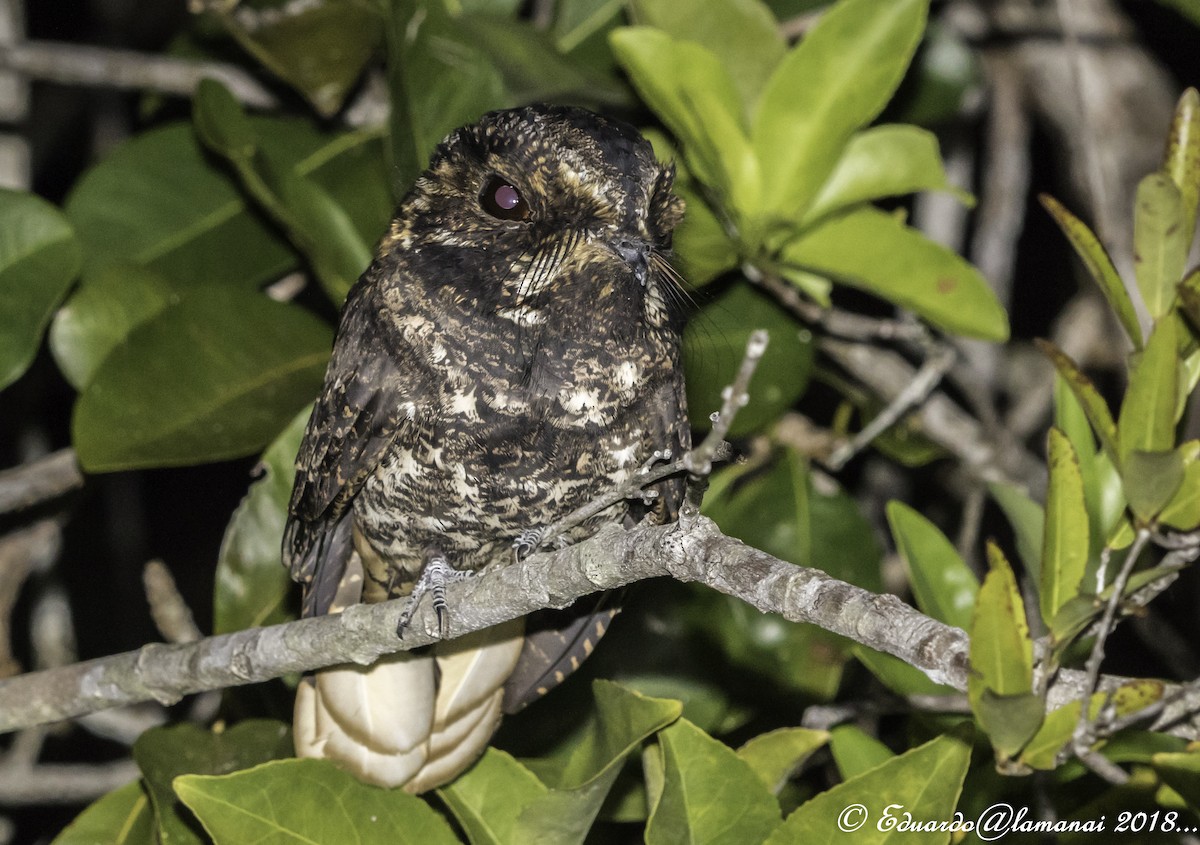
{"type": "Point", "coordinates": [700, 242]}
{"type": "Point", "coordinates": [39, 258]}
{"type": "Point", "coordinates": [692, 93]}
{"type": "Point", "coordinates": [1159, 241]}
{"type": "Point", "coordinates": [163, 753]}
{"type": "Point", "coordinates": [1095, 258]}
{"type": "Point", "coordinates": [1027, 520]}
{"type": "Point", "coordinates": [1001, 650]}
{"type": "Point", "coordinates": [868, 249]}
{"type": "Point", "coordinates": [122, 817]}
{"type": "Point", "coordinates": [1067, 534]}
{"type": "Point", "coordinates": [883, 161]}
{"type": "Point", "coordinates": [1182, 162]}
{"type": "Point", "coordinates": [1183, 512]}
{"type": "Point", "coordinates": [1010, 721]}
{"type": "Point", "coordinates": [320, 48]}
{"type": "Point", "coordinates": [742, 34]}
{"type": "Point", "coordinates": [714, 343]}
{"type": "Point", "coordinates": [833, 83]}
{"type": "Point", "coordinates": [925, 782]}
{"type": "Point", "coordinates": [251, 581]}
{"type": "Point", "coordinates": [776, 755]}
{"type": "Point", "coordinates": [157, 202]}
{"type": "Point", "coordinates": [856, 752]}
{"type": "Point", "coordinates": [309, 801]}
{"type": "Point", "coordinates": [1148, 411]}
{"type": "Point", "coordinates": [1089, 398]}
{"type": "Point", "coordinates": [215, 376]}
{"type": "Point", "coordinates": [100, 315]}
{"type": "Point", "coordinates": [944, 586]}
{"type": "Point", "coordinates": [1189, 297]}
{"type": "Point", "coordinates": [1152, 480]}
{"type": "Point", "coordinates": [578, 21]}
{"type": "Point", "coordinates": [1181, 771]}
{"type": "Point", "coordinates": [438, 81]}
{"type": "Point", "coordinates": [500, 801]}
{"type": "Point", "coordinates": [710, 795]}
{"type": "Point", "coordinates": [1058, 728]}
{"type": "Point", "coordinates": [314, 222]}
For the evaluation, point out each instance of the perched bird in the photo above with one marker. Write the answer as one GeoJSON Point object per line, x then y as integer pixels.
{"type": "Point", "coordinates": [511, 353]}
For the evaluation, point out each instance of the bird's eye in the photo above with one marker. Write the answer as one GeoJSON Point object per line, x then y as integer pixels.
{"type": "Point", "coordinates": [503, 201]}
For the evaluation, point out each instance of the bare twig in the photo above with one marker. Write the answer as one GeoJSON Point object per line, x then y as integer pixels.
{"type": "Point", "coordinates": [39, 481]}
{"type": "Point", "coordinates": [21, 553]}
{"type": "Point", "coordinates": [170, 612]}
{"type": "Point", "coordinates": [911, 396]}
{"type": "Point", "coordinates": [1085, 729]}
{"type": "Point", "coordinates": [76, 64]}
{"type": "Point", "coordinates": [63, 783]}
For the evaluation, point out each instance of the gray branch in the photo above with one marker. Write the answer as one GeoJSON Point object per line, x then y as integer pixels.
{"type": "Point", "coordinates": [693, 550]}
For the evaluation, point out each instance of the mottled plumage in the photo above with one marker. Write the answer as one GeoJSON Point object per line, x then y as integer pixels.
{"type": "Point", "coordinates": [510, 354]}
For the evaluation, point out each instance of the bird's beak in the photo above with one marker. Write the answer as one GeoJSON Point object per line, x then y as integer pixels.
{"type": "Point", "coordinates": [636, 253]}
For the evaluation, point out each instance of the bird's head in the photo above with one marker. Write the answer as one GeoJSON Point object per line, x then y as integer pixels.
{"type": "Point", "coordinates": [536, 210]}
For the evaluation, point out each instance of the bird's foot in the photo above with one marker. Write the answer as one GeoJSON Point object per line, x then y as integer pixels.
{"type": "Point", "coordinates": [435, 575]}
{"type": "Point", "coordinates": [528, 542]}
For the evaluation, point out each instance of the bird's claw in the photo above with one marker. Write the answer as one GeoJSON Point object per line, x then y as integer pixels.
{"type": "Point", "coordinates": [435, 575]}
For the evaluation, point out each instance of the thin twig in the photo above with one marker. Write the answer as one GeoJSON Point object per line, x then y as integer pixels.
{"type": "Point", "coordinates": [911, 396]}
{"type": "Point", "coordinates": [170, 612]}
{"type": "Point", "coordinates": [77, 64]}
{"type": "Point", "coordinates": [1085, 734]}
{"type": "Point", "coordinates": [39, 481]}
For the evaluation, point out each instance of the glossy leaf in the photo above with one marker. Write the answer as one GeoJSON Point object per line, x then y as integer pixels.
{"type": "Point", "coordinates": [742, 34]}
{"type": "Point", "coordinates": [1189, 297]}
{"type": "Point", "coordinates": [499, 800]}
{"type": "Point", "coordinates": [309, 801]}
{"type": "Point", "coordinates": [1001, 650]}
{"type": "Point", "coordinates": [1183, 512]}
{"type": "Point", "coordinates": [834, 82]}
{"type": "Point", "coordinates": [1058, 728]}
{"type": "Point", "coordinates": [438, 81]}
{"type": "Point", "coordinates": [163, 753]}
{"type": "Point", "coordinates": [251, 581]}
{"type": "Point", "coordinates": [692, 93]}
{"type": "Point", "coordinates": [1010, 721]}
{"type": "Point", "coordinates": [944, 586]}
{"type": "Point", "coordinates": [214, 377]}
{"type": "Point", "coordinates": [856, 752]}
{"type": "Point", "coordinates": [776, 755]}
{"type": "Point", "coordinates": [1181, 771]}
{"type": "Point", "coordinates": [714, 343]}
{"type": "Point", "coordinates": [1028, 521]}
{"type": "Point", "coordinates": [1067, 533]}
{"type": "Point", "coordinates": [157, 202]}
{"type": "Point", "coordinates": [710, 795]}
{"type": "Point", "coordinates": [1148, 411]}
{"type": "Point", "coordinates": [883, 161]}
{"type": "Point", "coordinates": [39, 258]}
{"type": "Point", "coordinates": [122, 817]}
{"type": "Point", "coordinates": [1159, 241]}
{"type": "Point", "coordinates": [320, 48]}
{"type": "Point", "coordinates": [925, 782]}
{"type": "Point", "coordinates": [579, 21]}
{"type": "Point", "coordinates": [1182, 162]}
{"type": "Point", "coordinates": [1152, 480]}
{"type": "Point", "coordinates": [1089, 398]}
{"type": "Point", "coordinates": [315, 223]}
{"type": "Point", "coordinates": [100, 315]}
{"type": "Point", "coordinates": [701, 245]}
{"type": "Point", "coordinates": [869, 249]}
{"type": "Point", "coordinates": [1099, 265]}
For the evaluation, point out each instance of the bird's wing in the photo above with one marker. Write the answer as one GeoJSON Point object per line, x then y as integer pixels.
{"type": "Point", "coordinates": [376, 389]}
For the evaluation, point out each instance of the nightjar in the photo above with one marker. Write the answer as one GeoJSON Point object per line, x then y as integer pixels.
{"type": "Point", "coordinates": [511, 353]}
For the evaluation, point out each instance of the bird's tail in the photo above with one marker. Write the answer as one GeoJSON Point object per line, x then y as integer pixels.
{"type": "Point", "coordinates": [413, 719]}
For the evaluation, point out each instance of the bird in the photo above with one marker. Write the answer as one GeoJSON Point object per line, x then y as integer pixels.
{"type": "Point", "coordinates": [511, 353]}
